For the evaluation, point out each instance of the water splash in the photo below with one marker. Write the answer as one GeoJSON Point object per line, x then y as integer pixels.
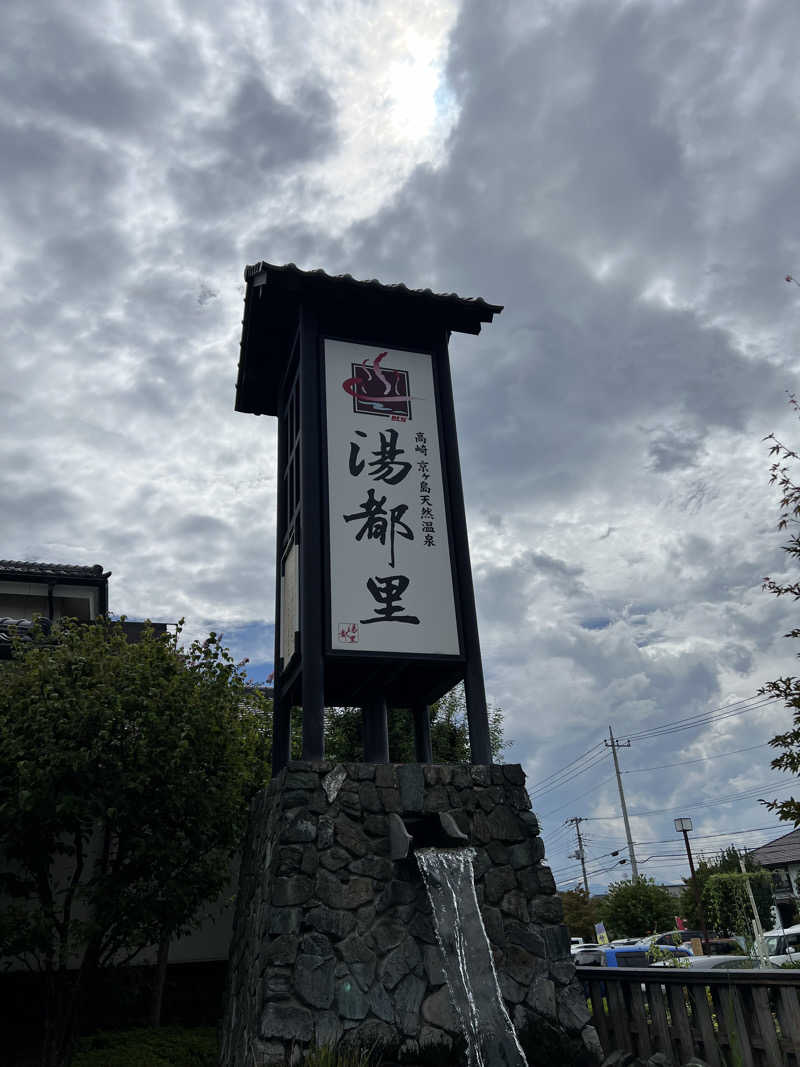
{"type": "Point", "coordinates": [467, 958]}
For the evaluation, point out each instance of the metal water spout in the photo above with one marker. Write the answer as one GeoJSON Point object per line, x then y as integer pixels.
{"type": "Point", "coordinates": [414, 831]}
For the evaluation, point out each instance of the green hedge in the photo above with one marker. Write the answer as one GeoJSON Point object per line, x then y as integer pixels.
{"type": "Point", "coordinates": [167, 1046]}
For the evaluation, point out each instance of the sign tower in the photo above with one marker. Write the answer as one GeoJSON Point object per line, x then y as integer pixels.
{"type": "Point", "coordinates": [374, 598]}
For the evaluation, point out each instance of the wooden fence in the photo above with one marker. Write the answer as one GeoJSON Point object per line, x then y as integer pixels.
{"type": "Point", "coordinates": [728, 1018]}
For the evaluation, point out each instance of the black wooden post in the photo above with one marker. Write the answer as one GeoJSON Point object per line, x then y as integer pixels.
{"type": "Point", "coordinates": [376, 731]}
{"type": "Point", "coordinates": [281, 727]}
{"type": "Point", "coordinates": [422, 733]}
{"type": "Point", "coordinates": [477, 714]}
{"type": "Point", "coordinates": [313, 684]}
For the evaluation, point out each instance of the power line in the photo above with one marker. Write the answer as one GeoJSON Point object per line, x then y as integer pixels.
{"type": "Point", "coordinates": [722, 833]}
{"type": "Point", "coordinates": [737, 707]}
{"type": "Point", "coordinates": [705, 718]}
{"type": "Point", "coordinates": [567, 779]}
{"type": "Point", "coordinates": [702, 759]}
{"type": "Point", "coordinates": [560, 868]}
{"type": "Point", "coordinates": [591, 758]}
{"type": "Point", "coordinates": [605, 855]}
{"type": "Point", "coordinates": [566, 867]}
{"type": "Point", "coordinates": [665, 856]}
{"type": "Point", "coordinates": [750, 793]}
{"type": "Point", "coordinates": [586, 792]}
{"type": "Point", "coordinates": [562, 830]}
{"type": "Point", "coordinates": [611, 867]}
{"type": "Point", "coordinates": [556, 774]}
{"type": "Point", "coordinates": [699, 718]}
{"type": "Point", "coordinates": [567, 773]}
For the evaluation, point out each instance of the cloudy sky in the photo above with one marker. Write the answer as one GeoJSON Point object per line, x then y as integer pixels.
{"type": "Point", "coordinates": [622, 176]}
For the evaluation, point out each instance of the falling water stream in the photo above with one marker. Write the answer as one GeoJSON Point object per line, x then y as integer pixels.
{"type": "Point", "coordinates": [468, 963]}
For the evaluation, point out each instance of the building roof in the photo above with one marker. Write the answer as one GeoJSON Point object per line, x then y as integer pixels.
{"type": "Point", "coordinates": [782, 850]}
{"type": "Point", "coordinates": [13, 568]}
{"type": "Point", "coordinates": [387, 315]}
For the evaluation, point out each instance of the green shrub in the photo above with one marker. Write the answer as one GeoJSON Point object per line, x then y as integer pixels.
{"type": "Point", "coordinates": [167, 1046]}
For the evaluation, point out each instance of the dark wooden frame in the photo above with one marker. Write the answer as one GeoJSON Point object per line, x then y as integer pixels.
{"type": "Point", "coordinates": [300, 311]}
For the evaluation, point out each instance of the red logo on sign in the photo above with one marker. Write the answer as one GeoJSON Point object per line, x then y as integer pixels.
{"type": "Point", "coordinates": [348, 633]}
{"type": "Point", "coordinates": [378, 390]}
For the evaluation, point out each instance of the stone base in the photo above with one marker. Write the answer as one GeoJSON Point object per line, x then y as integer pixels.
{"type": "Point", "coordinates": [334, 941]}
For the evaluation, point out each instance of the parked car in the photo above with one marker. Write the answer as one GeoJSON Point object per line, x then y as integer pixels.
{"type": "Point", "coordinates": [783, 945]}
{"type": "Point", "coordinates": [577, 945]}
{"type": "Point", "coordinates": [675, 937]}
{"type": "Point", "coordinates": [729, 963]}
{"type": "Point", "coordinates": [636, 955]}
{"type": "Point", "coordinates": [723, 946]}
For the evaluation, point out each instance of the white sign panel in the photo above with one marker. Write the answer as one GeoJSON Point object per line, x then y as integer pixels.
{"type": "Point", "coordinates": [391, 583]}
{"type": "Point", "coordinates": [290, 603]}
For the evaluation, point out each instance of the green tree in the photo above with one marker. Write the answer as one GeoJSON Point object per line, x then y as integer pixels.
{"type": "Point", "coordinates": [580, 913]}
{"type": "Point", "coordinates": [125, 771]}
{"type": "Point", "coordinates": [449, 732]}
{"type": "Point", "coordinates": [727, 903]}
{"type": "Point", "coordinates": [635, 909]}
{"type": "Point", "coordinates": [726, 862]}
{"type": "Point", "coordinates": [786, 689]}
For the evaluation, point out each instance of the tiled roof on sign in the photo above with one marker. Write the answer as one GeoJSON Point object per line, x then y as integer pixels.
{"type": "Point", "coordinates": [477, 303]}
{"type": "Point", "coordinates": [277, 298]}
{"type": "Point", "coordinates": [51, 570]}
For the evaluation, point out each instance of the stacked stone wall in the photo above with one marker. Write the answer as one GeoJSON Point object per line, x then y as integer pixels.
{"type": "Point", "coordinates": [334, 941]}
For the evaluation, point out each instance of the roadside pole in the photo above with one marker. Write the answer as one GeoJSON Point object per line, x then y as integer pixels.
{"type": "Point", "coordinates": [761, 944]}
{"type": "Point", "coordinates": [683, 826]}
{"type": "Point", "coordinates": [577, 820]}
{"type": "Point", "coordinates": [614, 745]}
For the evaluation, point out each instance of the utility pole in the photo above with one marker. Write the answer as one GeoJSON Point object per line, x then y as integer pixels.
{"type": "Point", "coordinates": [614, 745]}
{"type": "Point", "coordinates": [683, 826]}
{"type": "Point", "coordinates": [761, 944]}
{"type": "Point", "coordinates": [580, 855]}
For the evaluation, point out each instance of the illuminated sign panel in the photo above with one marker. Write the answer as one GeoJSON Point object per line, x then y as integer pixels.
{"type": "Point", "coordinates": [391, 583]}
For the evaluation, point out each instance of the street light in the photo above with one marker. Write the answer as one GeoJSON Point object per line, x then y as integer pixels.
{"type": "Point", "coordinates": [683, 826]}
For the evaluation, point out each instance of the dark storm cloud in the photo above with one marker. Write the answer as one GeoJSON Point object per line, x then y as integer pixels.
{"type": "Point", "coordinates": [256, 138]}
{"type": "Point", "coordinates": [101, 85]}
{"type": "Point", "coordinates": [48, 507]}
{"type": "Point", "coordinates": [670, 448]}
{"type": "Point", "coordinates": [738, 657]}
{"type": "Point", "coordinates": [507, 590]}
{"type": "Point", "coordinates": [277, 134]}
{"type": "Point", "coordinates": [206, 528]}
{"type": "Point", "coordinates": [53, 181]}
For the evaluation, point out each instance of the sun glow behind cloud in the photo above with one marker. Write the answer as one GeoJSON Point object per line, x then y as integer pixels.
{"type": "Point", "coordinates": [394, 109]}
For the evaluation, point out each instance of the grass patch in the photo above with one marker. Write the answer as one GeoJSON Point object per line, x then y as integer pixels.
{"type": "Point", "coordinates": [163, 1046]}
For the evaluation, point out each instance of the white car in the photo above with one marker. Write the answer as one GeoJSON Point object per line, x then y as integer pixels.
{"type": "Point", "coordinates": [576, 945]}
{"type": "Point", "coordinates": [726, 963]}
{"type": "Point", "coordinates": [783, 945]}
